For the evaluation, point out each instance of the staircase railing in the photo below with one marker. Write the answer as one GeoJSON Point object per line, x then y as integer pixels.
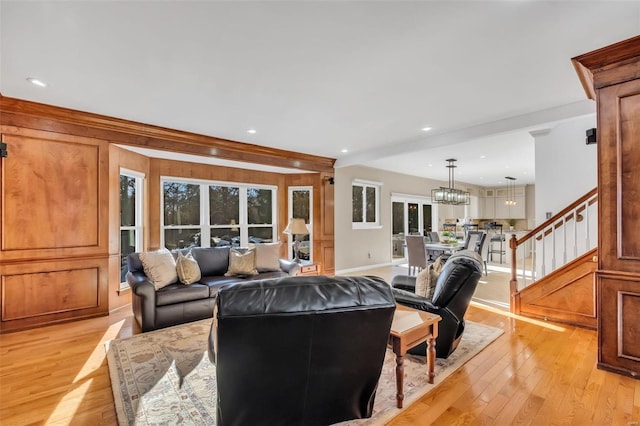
{"type": "Point", "coordinates": [560, 239]}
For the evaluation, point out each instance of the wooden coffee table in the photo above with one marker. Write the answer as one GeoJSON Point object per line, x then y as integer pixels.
{"type": "Point", "coordinates": [411, 327]}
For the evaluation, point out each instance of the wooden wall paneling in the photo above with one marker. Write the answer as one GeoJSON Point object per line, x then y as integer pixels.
{"type": "Point", "coordinates": [55, 196]}
{"type": "Point", "coordinates": [45, 292]}
{"type": "Point", "coordinates": [327, 235]}
{"type": "Point", "coordinates": [619, 335]}
{"type": "Point", "coordinates": [118, 158]}
{"type": "Point", "coordinates": [314, 180]}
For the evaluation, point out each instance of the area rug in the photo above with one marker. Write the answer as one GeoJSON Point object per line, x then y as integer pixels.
{"type": "Point", "coordinates": [165, 377]}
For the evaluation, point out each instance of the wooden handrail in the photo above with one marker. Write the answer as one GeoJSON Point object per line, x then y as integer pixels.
{"type": "Point", "coordinates": [557, 216]}
{"type": "Point", "coordinates": [572, 211]}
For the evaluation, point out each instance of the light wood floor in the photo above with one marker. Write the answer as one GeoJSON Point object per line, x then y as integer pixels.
{"type": "Point", "coordinates": [536, 373]}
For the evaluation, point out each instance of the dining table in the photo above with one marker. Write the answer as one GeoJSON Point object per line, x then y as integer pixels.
{"type": "Point", "coordinates": [447, 247]}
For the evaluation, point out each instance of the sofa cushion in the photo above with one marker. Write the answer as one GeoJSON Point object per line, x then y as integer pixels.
{"type": "Point", "coordinates": [178, 293]}
{"type": "Point", "coordinates": [267, 257]}
{"type": "Point", "coordinates": [241, 263]}
{"type": "Point", "coordinates": [212, 260]}
{"type": "Point", "coordinates": [160, 267]}
{"type": "Point", "coordinates": [187, 269]}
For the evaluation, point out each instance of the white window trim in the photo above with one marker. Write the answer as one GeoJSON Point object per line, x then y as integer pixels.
{"type": "Point", "coordinates": [139, 217]}
{"type": "Point", "coordinates": [370, 184]}
{"type": "Point", "coordinates": [309, 225]}
{"type": "Point", "coordinates": [205, 222]}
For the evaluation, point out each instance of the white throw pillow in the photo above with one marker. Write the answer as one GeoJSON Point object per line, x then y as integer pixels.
{"type": "Point", "coordinates": [160, 267]}
{"type": "Point", "coordinates": [187, 269]}
{"type": "Point", "coordinates": [267, 257]}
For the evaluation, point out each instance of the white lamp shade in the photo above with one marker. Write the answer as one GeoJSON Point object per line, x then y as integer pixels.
{"type": "Point", "coordinates": [296, 226]}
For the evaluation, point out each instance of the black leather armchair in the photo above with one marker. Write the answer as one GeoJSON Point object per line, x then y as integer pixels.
{"type": "Point", "coordinates": [299, 351]}
{"type": "Point", "coordinates": [454, 289]}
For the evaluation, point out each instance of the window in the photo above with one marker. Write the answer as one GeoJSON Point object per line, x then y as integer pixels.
{"type": "Point", "coordinates": [130, 218]}
{"type": "Point", "coordinates": [365, 204]}
{"type": "Point", "coordinates": [301, 206]}
{"type": "Point", "coordinates": [216, 214]}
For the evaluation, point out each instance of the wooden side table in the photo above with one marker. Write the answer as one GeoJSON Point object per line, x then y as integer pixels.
{"type": "Point", "coordinates": [309, 268]}
{"type": "Point", "coordinates": [411, 327]}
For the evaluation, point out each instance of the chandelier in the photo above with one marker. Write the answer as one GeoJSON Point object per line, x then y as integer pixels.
{"type": "Point", "coordinates": [450, 195]}
{"type": "Point", "coordinates": [511, 191]}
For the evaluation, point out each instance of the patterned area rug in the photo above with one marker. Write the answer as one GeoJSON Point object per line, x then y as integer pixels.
{"type": "Point", "coordinates": [165, 377]}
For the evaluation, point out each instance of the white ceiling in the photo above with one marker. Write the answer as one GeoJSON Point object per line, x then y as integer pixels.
{"type": "Point", "coordinates": [318, 77]}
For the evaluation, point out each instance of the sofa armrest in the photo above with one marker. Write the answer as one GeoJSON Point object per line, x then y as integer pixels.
{"type": "Point", "coordinates": [143, 303]}
{"type": "Point", "coordinates": [404, 282]}
{"type": "Point", "coordinates": [289, 266]}
{"type": "Point", "coordinates": [414, 301]}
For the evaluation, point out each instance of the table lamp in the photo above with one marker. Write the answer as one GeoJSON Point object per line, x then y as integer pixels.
{"type": "Point", "coordinates": [295, 227]}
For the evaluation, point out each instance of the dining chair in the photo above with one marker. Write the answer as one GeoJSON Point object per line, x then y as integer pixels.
{"type": "Point", "coordinates": [416, 253]}
{"type": "Point", "coordinates": [475, 241]}
{"type": "Point", "coordinates": [433, 254]}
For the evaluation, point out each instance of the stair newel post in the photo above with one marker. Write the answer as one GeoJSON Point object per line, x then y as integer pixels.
{"type": "Point", "coordinates": [513, 284]}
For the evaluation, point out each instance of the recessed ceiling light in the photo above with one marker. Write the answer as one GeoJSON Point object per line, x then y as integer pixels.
{"type": "Point", "coordinates": [426, 129]}
{"type": "Point", "coordinates": [483, 156]}
{"type": "Point", "coordinates": [37, 82]}
{"type": "Point", "coordinates": [344, 150]}
{"type": "Point", "coordinates": [252, 131]}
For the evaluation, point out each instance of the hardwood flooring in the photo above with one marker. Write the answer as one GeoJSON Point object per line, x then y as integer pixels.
{"type": "Point", "coordinates": [536, 373]}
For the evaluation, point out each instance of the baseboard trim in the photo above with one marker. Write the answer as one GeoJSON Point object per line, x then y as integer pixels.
{"type": "Point", "coordinates": [362, 268]}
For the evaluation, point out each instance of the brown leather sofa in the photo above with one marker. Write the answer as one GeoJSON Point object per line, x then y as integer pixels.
{"type": "Point", "coordinates": [454, 289]}
{"type": "Point", "coordinates": [178, 303]}
{"type": "Point", "coordinates": [299, 351]}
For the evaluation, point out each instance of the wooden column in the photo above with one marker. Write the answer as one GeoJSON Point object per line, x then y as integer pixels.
{"type": "Point", "coordinates": [611, 76]}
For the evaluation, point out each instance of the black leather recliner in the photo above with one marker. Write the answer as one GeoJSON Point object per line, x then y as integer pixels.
{"type": "Point", "coordinates": [454, 289]}
{"type": "Point", "coordinates": [299, 350]}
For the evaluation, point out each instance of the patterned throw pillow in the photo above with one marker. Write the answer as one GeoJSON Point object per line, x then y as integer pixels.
{"type": "Point", "coordinates": [241, 264]}
{"type": "Point", "coordinates": [160, 267]}
{"type": "Point", "coordinates": [187, 269]}
{"type": "Point", "coordinates": [267, 257]}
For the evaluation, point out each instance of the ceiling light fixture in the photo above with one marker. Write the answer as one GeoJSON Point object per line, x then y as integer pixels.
{"type": "Point", "coordinates": [252, 131]}
{"type": "Point", "coordinates": [426, 129]}
{"type": "Point", "coordinates": [36, 82]}
{"type": "Point", "coordinates": [511, 191]}
{"type": "Point", "coordinates": [450, 195]}
{"type": "Point", "coordinates": [344, 150]}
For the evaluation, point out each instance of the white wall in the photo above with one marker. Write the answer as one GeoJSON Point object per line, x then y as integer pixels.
{"type": "Point", "coordinates": [353, 245]}
{"type": "Point", "coordinates": [566, 167]}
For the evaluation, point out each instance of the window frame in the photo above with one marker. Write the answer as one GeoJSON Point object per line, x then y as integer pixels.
{"type": "Point", "coordinates": [205, 218]}
{"type": "Point", "coordinates": [138, 227]}
{"type": "Point", "coordinates": [290, 191]}
{"type": "Point", "coordinates": [377, 186]}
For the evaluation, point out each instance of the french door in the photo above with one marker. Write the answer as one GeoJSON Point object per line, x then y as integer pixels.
{"type": "Point", "coordinates": [410, 215]}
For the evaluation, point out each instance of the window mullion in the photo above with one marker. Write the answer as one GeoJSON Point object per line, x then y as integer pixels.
{"type": "Point", "coordinates": [244, 219]}
{"type": "Point", "coordinates": [205, 217]}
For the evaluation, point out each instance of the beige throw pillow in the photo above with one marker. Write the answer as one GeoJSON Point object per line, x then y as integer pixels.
{"type": "Point", "coordinates": [241, 263]}
{"type": "Point", "coordinates": [160, 267]}
{"type": "Point", "coordinates": [427, 279]}
{"type": "Point", "coordinates": [267, 257]}
{"type": "Point", "coordinates": [187, 269]}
